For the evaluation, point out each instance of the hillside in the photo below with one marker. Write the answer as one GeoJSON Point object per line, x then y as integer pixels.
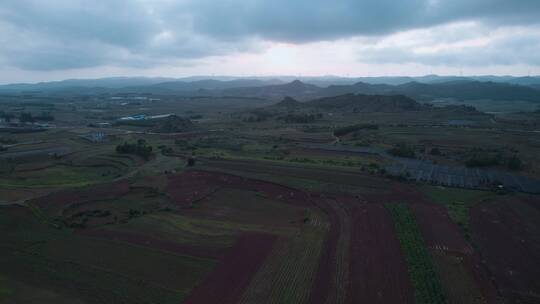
{"type": "Point", "coordinates": [210, 84]}
{"type": "Point", "coordinates": [289, 102]}
{"type": "Point", "coordinates": [457, 89]}
{"type": "Point", "coordinates": [367, 103]}
{"type": "Point", "coordinates": [469, 90]}
{"type": "Point", "coordinates": [426, 88]}
{"type": "Point", "coordinates": [172, 124]}
{"type": "Point", "coordinates": [295, 88]}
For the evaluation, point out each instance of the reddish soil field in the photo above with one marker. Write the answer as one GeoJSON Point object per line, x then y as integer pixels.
{"type": "Point", "coordinates": [158, 182]}
{"type": "Point", "coordinates": [193, 185]}
{"type": "Point", "coordinates": [441, 234]}
{"type": "Point", "coordinates": [226, 284]}
{"type": "Point", "coordinates": [81, 195]}
{"type": "Point", "coordinates": [148, 241]}
{"type": "Point", "coordinates": [481, 277]}
{"type": "Point", "coordinates": [378, 270]}
{"type": "Point", "coordinates": [438, 230]}
{"type": "Point", "coordinates": [188, 187]}
{"type": "Point", "coordinates": [507, 234]}
{"type": "Point", "coordinates": [327, 261]}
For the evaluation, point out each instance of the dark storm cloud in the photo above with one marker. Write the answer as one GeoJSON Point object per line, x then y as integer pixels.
{"type": "Point", "coordinates": [115, 22]}
{"type": "Point", "coordinates": [312, 20]}
{"type": "Point", "coordinates": [63, 34]}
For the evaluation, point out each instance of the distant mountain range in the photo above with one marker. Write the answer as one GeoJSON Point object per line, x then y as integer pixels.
{"type": "Point", "coordinates": [458, 89]}
{"type": "Point", "coordinates": [365, 103]}
{"type": "Point", "coordinates": [137, 84]}
{"type": "Point", "coordinates": [292, 110]}
{"type": "Point", "coordinates": [423, 88]}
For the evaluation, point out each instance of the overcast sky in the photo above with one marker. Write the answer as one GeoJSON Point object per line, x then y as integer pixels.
{"type": "Point", "coordinates": [57, 39]}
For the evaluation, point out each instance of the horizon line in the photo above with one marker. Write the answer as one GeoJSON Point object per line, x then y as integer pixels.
{"type": "Point", "coordinates": [210, 77]}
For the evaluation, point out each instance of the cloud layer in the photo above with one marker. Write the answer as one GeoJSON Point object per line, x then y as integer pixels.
{"type": "Point", "coordinates": [54, 35]}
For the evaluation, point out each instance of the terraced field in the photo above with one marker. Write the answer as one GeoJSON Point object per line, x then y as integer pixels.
{"type": "Point", "coordinates": [247, 216]}
{"type": "Point", "coordinates": [290, 269]}
{"type": "Point", "coordinates": [88, 269]}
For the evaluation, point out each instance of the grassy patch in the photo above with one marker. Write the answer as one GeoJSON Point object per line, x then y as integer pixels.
{"type": "Point", "coordinates": [288, 273]}
{"type": "Point", "coordinates": [246, 207]}
{"type": "Point", "coordinates": [426, 282]}
{"type": "Point", "coordinates": [458, 202]}
{"type": "Point", "coordinates": [70, 265]}
{"type": "Point", "coordinates": [60, 175]}
{"type": "Point", "coordinates": [5, 292]}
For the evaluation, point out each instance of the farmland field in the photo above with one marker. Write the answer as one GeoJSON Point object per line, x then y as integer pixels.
{"type": "Point", "coordinates": [199, 198]}
{"type": "Point", "coordinates": [506, 233]}
{"type": "Point", "coordinates": [426, 282]}
{"type": "Point", "coordinates": [374, 239]}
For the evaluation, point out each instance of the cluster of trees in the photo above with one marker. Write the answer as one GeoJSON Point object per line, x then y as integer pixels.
{"type": "Point", "coordinates": [258, 115]}
{"type": "Point", "coordinates": [301, 118]}
{"type": "Point", "coordinates": [7, 140]}
{"type": "Point", "coordinates": [28, 117]}
{"type": "Point", "coordinates": [254, 119]}
{"type": "Point", "coordinates": [80, 219]}
{"type": "Point", "coordinates": [490, 160]}
{"type": "Point", "coordinates": [435, 151]}
{"type": "Point", "coordinates": [165, 149]}
{"type": "Point", "coordinates": [6, 116]}
{"type": "Point", "coordinates": [139, 148]}
{"type": "Point", "coordinates": [349, 129]}
{"type": "Point", "coordinates": [514, 163]}
{"type": "Point", "coordinates": [483, 160]}
{"type": "Point", "coordinates": [402, 150]}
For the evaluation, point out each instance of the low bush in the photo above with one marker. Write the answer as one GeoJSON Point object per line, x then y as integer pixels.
{"type": "Point", "coordinates": [140, 148]}
{"type": "Point", "coordinates": [402, 150]}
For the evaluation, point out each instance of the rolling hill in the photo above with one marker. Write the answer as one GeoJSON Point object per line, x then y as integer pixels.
{"type": "Point", "coordinates": [426, 88]}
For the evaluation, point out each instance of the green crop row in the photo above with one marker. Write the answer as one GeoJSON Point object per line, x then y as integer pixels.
{"type": "Point", "coordinates": [425, 280]}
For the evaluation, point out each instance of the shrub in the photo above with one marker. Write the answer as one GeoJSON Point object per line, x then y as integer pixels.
{"type": "Point", "coordinates": [7, 141]}
{"type": "Point", "coordinates": [28, 117]}
{"type": "Point", "coordinates": [514, 163]}
{"type": "Point", "coordinates": [435, 151]}
{"type": "Point", "coordinates": [402, 150]}
{"type": "Point", "coordinates": [483, 160]}
{"type": "Point", "coordinates": [300, 118]}
{"type": "Point", "coordinates": [140, 148]}
{"type": "Point", "coordinates": [6, 116]}
{"type": "Point", "coordinates": [45, 116]}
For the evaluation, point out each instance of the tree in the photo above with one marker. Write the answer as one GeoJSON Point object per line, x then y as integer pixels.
{"type": "Point", "coordinates": [435, 151]}
{"type": "Point", "coordinates": [45, 116]}
{"type": "Point", "coordinates": [26, 117]}
{"type": "Point", "coordinates": [402, 150]}
{"type": "Point", "coordinates": [140, 148]}
{"type": "Point", "coordinates": [514, 163]}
